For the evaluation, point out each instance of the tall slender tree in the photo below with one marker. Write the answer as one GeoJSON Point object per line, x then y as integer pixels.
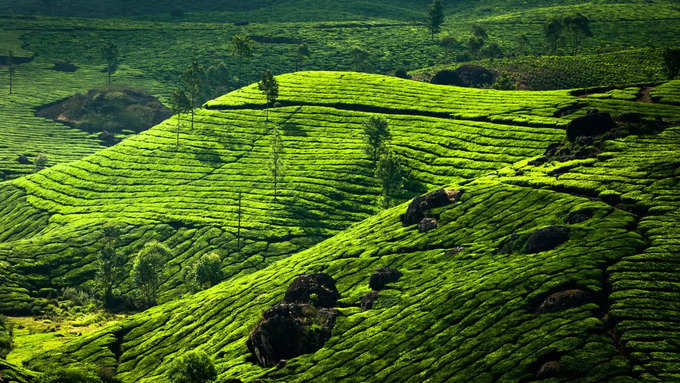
{"type": "Point", "coordinates": [238, 232]}
{"type": "Point", "coordinates": [241, 47]}
{"type": "Point", "coordinates": [377, 136]}
{"type": "Point", "coordinates": [270, 88]}
{"type": "Point", "coordinates": [111, 55]}
{"type": "Point", "coordinates": [276, 165]}
{"type": "Point", "coordinates": [301, 53]}
{"type": "Point", "coordinates": [10, 70]}
{"type": "Point", "coordinates": [180, 103]}
{"type": "Point", "coordinates": [435, 17]}
{"type": "Point", "coordinates": [110, 263]}
{"type": "Point", "coordinates": [553, 31]}
{"type": "Point", "coordinates": [578, 27]}
{"type": "Point", "coordinates": [359, 57]}
{"type": "Point", "coordinates": [389, 171]}
{"type": "Point", "coordinates": [192, 80]}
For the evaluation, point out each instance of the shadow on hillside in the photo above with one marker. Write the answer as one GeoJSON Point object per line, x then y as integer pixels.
{"type": "Point", "coordinates": [310, 222]}
{"type": "Point", "coordinates": [290, 128]}
{"type": "Point", "coordinates": [209, 157]}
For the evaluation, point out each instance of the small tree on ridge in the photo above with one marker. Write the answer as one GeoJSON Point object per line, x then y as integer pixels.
{"type": "Point", "coordinates": [270, 88]}
{"type": "Point", "coordinates": [435, 17]}
{"type": "Point", "coordinates": [111, 55]}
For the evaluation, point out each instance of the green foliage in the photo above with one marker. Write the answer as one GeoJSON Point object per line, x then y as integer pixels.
{"type": "Point", "coordinates": [504, 82]}
{"type": "Point", "coordinates": [111, 270]}
{"type": "Point", "coordinates": [359, 57]}
{"type": "Point", "coordinates": [492, 51]}
{"type": "Point", "coordinates": [376, 136]}
{"type": "Point", "coordinates": [301, 53]}
{"type": "Point", "coordinates": [671, 60]}
{"type": "Point", "coordinates": [242, 47]}
{"type": "Point", "coordinates": [435, 17]}
{"type": "Point", "coordinates": [11, 70]}
{"type": "Point", "coordinates": [389, 171]}
{"type": "Point", "coordinates": [553, 31]}
{"type": "Point", "coordinates": [205, 272]}
{"type": "Point", "coordinates": [192, 81]}
{"type": "Point", "coordinates": [479, 32]}
{"type": "Point", "coordinates": [450, 44]}
{"type": "Point", "coordinates": [276, 163]}
{"type": "Point", "coordinates": [6, 336]}
{"type": "Point", "coordinates": [111, 55]}
{"type": "Point", "coordinates": [147, 270]}
{"type": "Point", "coordinates": [270, 88]}
{"type": "Point", "coordinates": [192, 367]}
{"type": "Point", "coordinates": [39, 162]}
{"type": "Point", "coordinates": [180, 103]}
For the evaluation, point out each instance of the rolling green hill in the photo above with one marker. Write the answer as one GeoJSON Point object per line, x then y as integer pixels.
{"type": "Point", "coordinates": [467, 307]}
{"type": "Point", "coordinates": [155, 48]}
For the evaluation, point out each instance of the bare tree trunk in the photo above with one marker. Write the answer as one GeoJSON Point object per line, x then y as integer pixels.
{"type": "Point", "coordinates": [238, 235]}
{"type": "Point", "coordinates": [178, 116]}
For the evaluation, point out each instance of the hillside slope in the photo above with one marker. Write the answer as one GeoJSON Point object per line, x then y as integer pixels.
{"type": "Point", "coordinates": [467, 307]}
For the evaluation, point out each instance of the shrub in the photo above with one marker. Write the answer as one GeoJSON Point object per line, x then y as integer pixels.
{"type": "Point", "coordinates": [193, 367]}
{"type": "Point", "coordinates": [78, 297]}
{"type": "Point", "coordinates": [206, 271]}
{"type": "Point", "coordinates": [504, 82]}
{"type": "Point", "coordinates": [6, 336]}
{"type": "Point", "coordinates": [671, 59]}
{"type": "Point", "coordinates": [40, 162]}
{"type": "Point", "coordinates": [147, 269]}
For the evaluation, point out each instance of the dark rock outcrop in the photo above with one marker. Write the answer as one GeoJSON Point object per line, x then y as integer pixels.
{"type": "Point", "coordinates": [438, 198]}
{"type": "Point", "coordinates": [465, 75]}
{"type": "Point", "coordinates": [595, 123]}
{"type": "Point", "coordinates": [579, 216]}
{"type": "Point", "coordinates": [368, 299]}
{"type": "Point", "coordinates": [475, 76]}
{"type": "Point", "coordinates": [427, 224]}
{"type": "Point", "coordinates": [546, 239]}
{"type": "Point", "coordinates": [289, 330]}
{"type": "Point", "coordinates": [63, 66]}
{"type": "Point", "coordinates": [383, 276]}
{"type": "Point", "coordinates": [564, 299]}
{"type": "Point", "coordinates": [302, 288]}
{"type": "Point", "coordinates": [548, 370]}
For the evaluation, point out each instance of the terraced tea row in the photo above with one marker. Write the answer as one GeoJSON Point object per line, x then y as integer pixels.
{"type": "Point", "coordinates": [477, 319]}
{"type": "Point", "coordinates": [187, 196]}
{"type": "Point", "coordinates": [25, 134]}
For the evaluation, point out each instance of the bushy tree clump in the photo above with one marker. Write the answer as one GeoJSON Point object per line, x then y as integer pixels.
{"type": "Point", "coordinates": [192, 367]}
{"type": "Point", "coordinates": [147, 269]}
{"type": "Point", "coordinates": [205, 272]}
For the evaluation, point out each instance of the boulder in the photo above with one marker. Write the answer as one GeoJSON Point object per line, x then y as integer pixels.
{"type": "Point", "coordinates": [427, 224]}
{"type": "Point", "coordinates": [416, 210]}
{"type": "Point", "coordinates": [579, 216]}
{"type": "Point", "coordinates": [595, 123]}
{"type": "Point", "coordinates": [546, 239]}
{"type": "Point", "coordinates": [446, 77]}
{"type": "Point", "coordinates": [302, 288]}
{"type": "Point", "coordinates": [289, 330]}
{"type": "Point", "coordinates": [368, 299]}
{"type": "Point", "coordinates": [383, 276]}
{"type": "Point", "coordinates": [475, 76]}
{"type": "Point", "coordinates": [563, 300]}
{"type": "Point", "coordinates": [548, 370]}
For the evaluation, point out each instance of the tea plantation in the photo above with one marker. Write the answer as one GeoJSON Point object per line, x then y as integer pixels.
{"type": "Point", "coordinates": [468, 307]}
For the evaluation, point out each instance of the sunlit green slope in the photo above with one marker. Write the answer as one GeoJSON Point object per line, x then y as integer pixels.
{"type": "Point", "coordinates": [457, 314]}
{"type": "Point", "coordinates": [465, 310]}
